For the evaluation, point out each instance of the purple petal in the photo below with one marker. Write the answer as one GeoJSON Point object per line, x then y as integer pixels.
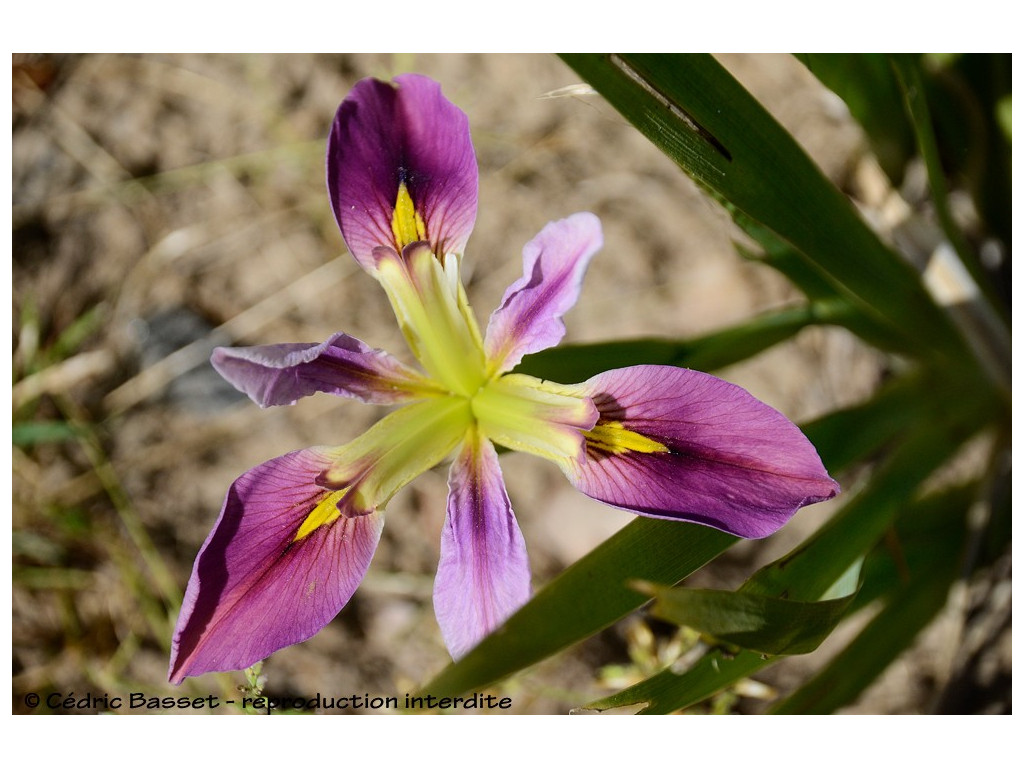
{"type": "Point", "coordinates": [280, 374]}
{"type": "Point", "coordinates": [256, 586]}
{"type": "Point", "coordinates": [680, 444]}
{"type": "Point", "coordinates": [529, 318]}
{"type": "Point", "coordinates": [385, 135]}
{"type": "Point", "coordinates": [483, 576]}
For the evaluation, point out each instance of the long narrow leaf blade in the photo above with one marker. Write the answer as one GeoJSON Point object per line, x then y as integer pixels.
{"type": "Point", "coordinates": [769, 625]}
{"type": "Point", "coordinates": [669, 691]}
{"type": "Point", "coordinates": [866, 83]}
{"type": "Point", "coordinates": [696, 112]}
{"type": "Point", "coordinates": [573, 363]}
{"type": "Point", "coordinates": [933, 537]}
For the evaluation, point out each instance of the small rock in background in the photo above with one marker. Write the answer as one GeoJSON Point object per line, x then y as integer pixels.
{"type": "Point", "coordinates": [199, 388]}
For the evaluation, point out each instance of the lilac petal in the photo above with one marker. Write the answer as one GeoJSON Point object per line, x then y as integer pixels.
{"type": "Point", "coordinates": [385, 135]}
{"type": "Point", "coordinates": [280, 374]}
{"type": "Point", "coordinates": [684, 445]}
{"type": "Point", "coordinates": [256, 585]}
{"type": "Point", "coordinates": [529, 317]}
{"type": "Point", "coordinates": [483, 576]}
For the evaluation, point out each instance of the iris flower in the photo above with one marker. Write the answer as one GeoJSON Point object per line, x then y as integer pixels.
{"type": "Point", "coordinates": [296, 534]}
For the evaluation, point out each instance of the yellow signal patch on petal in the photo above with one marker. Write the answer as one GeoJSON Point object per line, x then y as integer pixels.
{"type": "Point", "coordinates": [325, 513]}
{"type": "Point", "coordinates": [406, 223]}
{"type": "Point", "coordinates": [612, 437]}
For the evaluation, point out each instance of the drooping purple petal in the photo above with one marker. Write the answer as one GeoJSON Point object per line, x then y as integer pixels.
{"type": "Point", "coordinates": [255, 587]}
{"type": "Point", "coordinates": [385, 135]}
{"type": "Point", "coordinates": [529, 318]}
{"type": "Point", "coordinates": [680, 444]}
{"type": "Point", "coordinates": [280, 374]}
{"type": "Point", "coordinates": [483, 575]}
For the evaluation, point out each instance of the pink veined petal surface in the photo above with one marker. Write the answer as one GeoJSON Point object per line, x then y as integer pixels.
{"type": "Point", "coordinates": [483, 575]}
{"type": "Point", "coordinates": [281, 374]}
{"type": "Point", "coordinates": [733, 462]}
{"type": "Point", "coordinates": [253, 588]}
{"type": "Point", "coordinates": [384, 135]}
{"type": "Point", "coordinates": [529, 317]}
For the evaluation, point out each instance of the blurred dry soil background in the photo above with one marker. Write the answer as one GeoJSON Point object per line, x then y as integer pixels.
{"type": "Point", "coordinates": [164, 204]}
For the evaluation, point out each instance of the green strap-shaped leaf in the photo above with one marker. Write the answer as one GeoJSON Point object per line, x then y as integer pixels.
{"type": "Point", "coordinates": [866, 83]}
{"type": "Point", "coordinates": [819, 289]}
{"type": "Point", "coordinates": [697, 113]}
{"type": "Point", "coordinates": [768, 625]}
{"type": "Point", "coordinates": [669, 691]}
{"type": "Point", "coordinates": [927, 534]}
{"type": "Point", "coordinates": [574, 363]}
{"type": "Point", "coordinates": [906, 613]}
{"type": "Point", "coordinates": [853, 434]}
{"type": "Point", "coordinates": [914, 583]}
{"type": "Point", "coordinates": [909, 76]}
{"type": "Point", "coordinates": [36, 432]}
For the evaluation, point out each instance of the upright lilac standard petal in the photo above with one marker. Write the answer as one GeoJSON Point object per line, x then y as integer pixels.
{"type": "Point", "coordinates": [281, 374]}
{"type": "Point", "coordinates": [680, 444]}
{"type": "Point", "coordinates": [529, 317]}
{"type": "Point", "coordinates": [275, 569]}
{"type": "Point", "coordinates": [388, 135]}
{"type": "Point", "coordinates": [483, 575]}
